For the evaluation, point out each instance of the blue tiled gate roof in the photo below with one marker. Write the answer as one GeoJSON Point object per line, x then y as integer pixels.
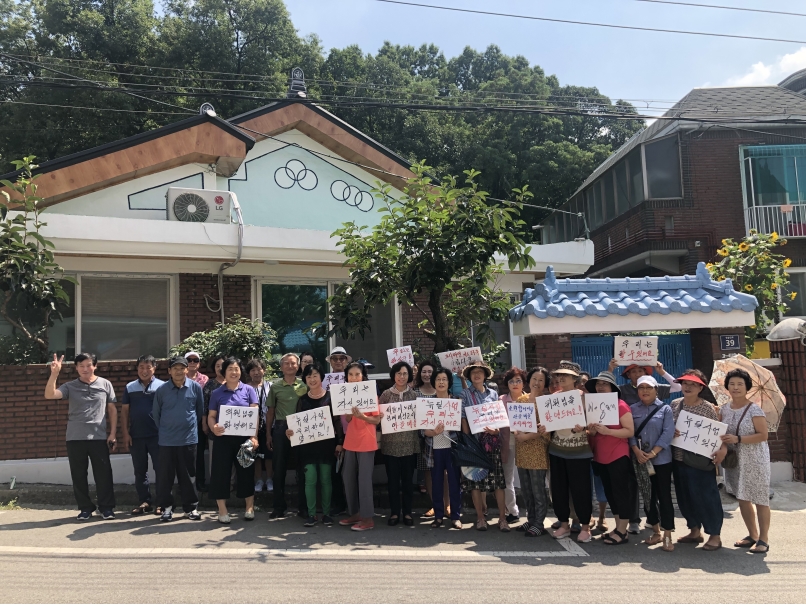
{"type": "Point", "coordinates": [625, 296]}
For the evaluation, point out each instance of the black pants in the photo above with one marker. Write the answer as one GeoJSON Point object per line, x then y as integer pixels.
{"type": "Point", "coordinates": [698, 498]}
{"type": "Point", "coordinates": [399, 473]}
{"type": "Point", "coordinates": [80, 454]}
{"type": "Point", "coordinates": [200, 470]}
{"type": "Point", "coordinates": [338, 500]}
{"type": "Point", "coordinates": [141, 449]}
{"type": "Point", "coordinates": [620, 485]}
{"type": "Point", "coordinates": [281, 456]}
{"type": "Point", "coordinates": [661, 498]}
{"type": "Point", "coordinates": [574, 475]}
{"type": "Point", "coordinates": [225, 454]}
{"type": "Point", "coordinates": [177, 461]}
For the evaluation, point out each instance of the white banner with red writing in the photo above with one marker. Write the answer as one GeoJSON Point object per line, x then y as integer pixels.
{"type": "Point", "coordinates": [400, 354]}
{"type": "Point", "coordinates": [458, 360]}
{"type": "Point", "coordinates": [492, 415]}
{"type": "Point", "coordinates": [431, 412]}
{"type": "Point", "coordinates": [563, 410]}
{"type": "Point", "coordinates": [642, 350]}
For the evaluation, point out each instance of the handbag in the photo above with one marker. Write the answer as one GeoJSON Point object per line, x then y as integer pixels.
{"type": "Point", "coordinates": [732, 457]}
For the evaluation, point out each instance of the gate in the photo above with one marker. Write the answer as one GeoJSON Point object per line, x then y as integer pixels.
{"type": "Point", "coordinates": [594, 353]}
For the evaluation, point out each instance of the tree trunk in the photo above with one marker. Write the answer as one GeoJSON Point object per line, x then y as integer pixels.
{"type": "Point", "coordinates": [443, 341]}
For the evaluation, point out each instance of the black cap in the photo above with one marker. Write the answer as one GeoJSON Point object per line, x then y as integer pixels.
{"type": "Point", "coordinates": [178, 360]}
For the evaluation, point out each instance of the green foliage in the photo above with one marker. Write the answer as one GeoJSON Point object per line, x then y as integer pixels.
{"type": "Point", "coordinates": [18, 350]}
{"type": "Point", "coordinates": [239, 337]}
{"type": "Point", "coordinates": [437, 242]}
{"type": "Point", "coordinates": [756, 269]}
{"type": "Point", "coordinates": [31, 293]}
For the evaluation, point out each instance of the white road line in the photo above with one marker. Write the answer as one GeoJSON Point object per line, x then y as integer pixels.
{"type": "Point", "coordinates": [570, 549]}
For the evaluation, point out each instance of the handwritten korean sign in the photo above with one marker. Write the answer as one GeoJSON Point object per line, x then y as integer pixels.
{"type": "Point", "coordinates": [522, 417]}
{"type": "Point", "coordinates": [699, 434]}
{"type": "Point", "coordinates": [430, 412]}
{"type": "Point", "coordinates": [563, 410]}
{"type": "Point", "coordinates": [458, 360]}
{"type": "Point", "coordinates": [636, 349]}
{"type": "Point", "coordinates": [239, 420]}
{"type": "Point", "coordinates": [398, 417]}
{"type": "Point", "coordinates": [400, 354]}
{"type": "Point", "coordinates": [362, 395]}
{"type": "Point", "coordinates": [310, 426]}
{"type": "Point", "coordinates": [487, 415]}
{"type": "Point", "coordinates": [602, 408]}
{"type": "Point", "coordinates": [333, 378]}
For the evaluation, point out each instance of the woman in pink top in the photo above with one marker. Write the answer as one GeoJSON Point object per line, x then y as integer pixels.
{"type": "Point", "coordinates": [516, 381]}
{"type": "Point", "coordinates": [611, 459]}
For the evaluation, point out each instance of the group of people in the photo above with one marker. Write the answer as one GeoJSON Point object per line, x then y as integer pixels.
{"type": "Point", "coordinates": [625, 464]}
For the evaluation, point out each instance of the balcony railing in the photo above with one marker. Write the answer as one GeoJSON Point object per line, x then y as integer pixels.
{"type": "Point", "coordinates": [787, 220]}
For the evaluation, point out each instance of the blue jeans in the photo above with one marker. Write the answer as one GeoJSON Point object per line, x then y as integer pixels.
{"type": "Point", "coordinates": [698, 498]}
{"type": "Point", "coordinates": [141, 449]}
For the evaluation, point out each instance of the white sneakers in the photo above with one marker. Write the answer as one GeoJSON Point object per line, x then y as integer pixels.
{"type": "Point", "coordinates": [269, 485]}
{"type": "Point", "coordinates": [259, 485]}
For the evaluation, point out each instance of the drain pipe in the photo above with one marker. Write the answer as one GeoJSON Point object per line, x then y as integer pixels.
{"type": "Point", "coordinates": [237, 207]}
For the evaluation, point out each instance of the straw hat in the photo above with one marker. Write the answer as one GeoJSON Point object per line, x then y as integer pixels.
{"type": "Point", "coordinates": [568, 367]}
{"type": "Point", "coordinates": [480, 365]}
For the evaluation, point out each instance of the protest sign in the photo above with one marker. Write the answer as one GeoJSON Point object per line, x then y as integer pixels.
{"type": "Point", "coordinates": [398, 417]}
{"type": "Point", "coordinates": [699, 434]}
{"type": "Point", "coordinates": [642, 350]}
{"type": "Point", "coordinates": [362, 395]}
{"type": "Point", "coordinates": [239, 420]}
{"type": "Point", "coordinates": [458, 360]}
{"type": "Point", "coordinates": [491, 415]}
{"type": "Point", "coordinates": [430, 412]}
{"type": "Point", "coordinates": [400, 354]}
{"type": "Point", "coordinates": [333, 378]}
{"type": "Point", "coordinates": [310, 426]}
{"type": "Point", "coordinates": [563, 410]}
{"type": "Point", "coordinates": [522, 417]}
{"type": "Point", "coordinates": [602, 408]}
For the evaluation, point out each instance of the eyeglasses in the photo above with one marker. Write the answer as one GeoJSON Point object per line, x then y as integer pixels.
{"type": "Point", "coordinates": [516, 381]}
{"type": "Point", "coordinates": [191, 360]}
{"type": "Point", "coordinates": [338, 358]}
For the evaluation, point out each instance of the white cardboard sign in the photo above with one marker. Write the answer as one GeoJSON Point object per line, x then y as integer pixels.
{"type": "Point", "coordinates": [602, 408]}
{"type": "Point", "coordinates": [239, 420]}
{"type": "Point", "coordinates": [400, 354]}
{"type": "Point", "coordinates": [333, 378]}
{"type": "Point", "coordinates": [430, 412]}
{"type": "Point", "coordinates": [310, 426]}
{"type": "Point", "coordinates": [458, 360]}
{"type": "Point", "coordinates": [522, 417]}
{"type": "Point", "coordinates": [362, 395]}
{"type": "Point", "coordinates": [699, 434]}
{"type": "Point", "coordinates": [563, 410]}
{"type": "Point", "coordinates": [491, 415]}
{"type": "Point", "coordinates": [398, 417]}
{"type": "Point", "coordinates": [642, 350]}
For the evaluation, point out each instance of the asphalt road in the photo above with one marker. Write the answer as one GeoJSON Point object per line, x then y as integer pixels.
{"type": "Point", "coordinates": [46, 556]}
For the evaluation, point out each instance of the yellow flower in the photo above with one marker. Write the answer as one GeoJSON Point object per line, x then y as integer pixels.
{"type": "Point", "coordinates": [749, 288]}
{"type": "Point", "coordinates": [793, 295]}
{"type": "Point", "coordinates": [774, 236]}
{"type": "Point", "coordinates": [724, 242]}
{"type": "Point", "coordinates": [709, 265]}
{"type": "Point", "coordinates": [753, 327]}
{"type": "Point", "coordinates": [773, 285]}
{"type": "Point", "coordinates": [722, 252]}
{"type": "Point", "coordinates": [787, 262]}
{"type": "Point", "coordinates": [744, 247]}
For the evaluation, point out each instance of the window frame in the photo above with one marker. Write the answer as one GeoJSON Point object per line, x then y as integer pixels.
{"type": "Point", "coordinates": [647, 190]}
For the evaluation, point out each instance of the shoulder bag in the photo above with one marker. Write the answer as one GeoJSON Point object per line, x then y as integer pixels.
{"type": "Point", "coordinates": [732, 458]}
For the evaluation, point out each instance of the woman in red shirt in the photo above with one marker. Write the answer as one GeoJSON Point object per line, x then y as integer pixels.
{"type": "Point", "coordinates": [611, 459]}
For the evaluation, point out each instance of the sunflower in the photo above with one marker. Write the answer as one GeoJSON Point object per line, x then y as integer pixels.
{"type": "Point", "coordinates": [724, 242]}
{"type": "Point", "coordinates": [773, 285]}
{"type": "Point", "coordinates": [709, 266]}
{"type": "Point", "coordinates": [744, 246]}
{"type": "Point", "coordinates": [753, 327]}
{"type": "Point", "coordinates": [793, 295]}
{"type": "Point", "coordinates": [749, 288]}
{"type": "Point", "coordinates": [787, 262]}
{"type": "Point", "coordinates": [722, 252]}
{"type": "Point", "coordinates": [774, 236]}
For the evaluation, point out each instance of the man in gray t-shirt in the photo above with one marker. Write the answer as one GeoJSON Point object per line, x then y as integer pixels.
{"type": "Point", "coordinates": [91, 403]}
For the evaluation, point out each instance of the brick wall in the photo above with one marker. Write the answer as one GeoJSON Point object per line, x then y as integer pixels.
{"type": "Point", "coordinates": [780, 441]}
{"type": "Point", "coordinates": [706, 347]}
{"type": "Point", "coordinates": [194, 316]}
{"type": "Point", "coordinates": [547, 350]}
{"type": "Point", "coordinates": [793, 384]}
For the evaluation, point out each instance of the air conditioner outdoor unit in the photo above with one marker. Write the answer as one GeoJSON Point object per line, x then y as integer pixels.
{"type": "Point", "coordinates": [199, 205]}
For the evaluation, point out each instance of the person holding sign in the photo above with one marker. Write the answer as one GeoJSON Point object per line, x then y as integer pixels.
{"type": "Point", "coordinates": [256, 371]}
{"type": "Point", "coordinates": [360, 444]}
{"type": "Point", "coordinates": [232, 393]}
{"type": "Point", "coordinates": [494, 441]}
{"type": "Point", "coordinates": [531, 458]}
{"type": "Point", "coordinates": [516, 381]}
{"type": "Point", "coordinates": [629, 392]}
{"type": "Point", "coordinates": [694, 474]}
{"type": "Point", "coordinates": [317, 457]}
{"type": "Point", "coordinates": [611, 457]}
{"type": "Point", "coordinates": [651, 448]}
{"type": "Point", "coordinates": [749, 479]}
{"type": "Point", "coordinates": [424, 390]}
{"type": "Point", "coordinates": [400, 449]}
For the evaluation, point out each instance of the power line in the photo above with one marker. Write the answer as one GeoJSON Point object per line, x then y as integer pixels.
{"type": "Point", "coordinates": [731, 8]}
{"type": "Point", "coordinates": [589, 23]}
{"type": "Point", "coordinates": [169, 113]}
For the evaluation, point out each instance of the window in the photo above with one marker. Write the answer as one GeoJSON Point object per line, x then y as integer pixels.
{"type": "Point", "coordinates": [609, 196]}
{"type": "Point", "coordinates": [376, 341]}
{"type": "Point", "coordinates": [774, 174]}
{"type": "Point", "coordinates": [663, 168]}
{"type": "Point", "coordinates": [668, 224]}
{"type": "Point", "coordinates": [124, 317]}
{"type": "Point", "coordinates": [622, 188]}
{"type": "Point", "coordinates": [797, 283]}
{"type": "Point", "coordinates": [636, 177]}
{"type": "Point", "coordinates": [294, 312]}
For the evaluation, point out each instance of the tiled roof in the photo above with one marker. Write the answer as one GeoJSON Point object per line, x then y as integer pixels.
{"type": "Point", "coordinates": [640, 296]}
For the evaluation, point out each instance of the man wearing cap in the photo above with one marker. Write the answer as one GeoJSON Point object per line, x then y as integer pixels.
{"type": "Point", "coordinates": [629, 391]}
{"type": "Point", "coordinates": [338, 360]}
{"type": "Point", "coordinates": [178, 407]}
{"type": "Point", "coordinates": [281, 402]}
{"type": "Point", "coordinates": [194, 364]}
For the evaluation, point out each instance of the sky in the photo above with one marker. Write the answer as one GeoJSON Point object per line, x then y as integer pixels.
{"type": "Point", "coordinates": [651, 69]}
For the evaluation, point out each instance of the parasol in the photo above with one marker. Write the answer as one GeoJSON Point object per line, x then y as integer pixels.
{"type": "Point", "coordinates": [765, 392]}
{"type": "Point", "coordinates": [467, 451]}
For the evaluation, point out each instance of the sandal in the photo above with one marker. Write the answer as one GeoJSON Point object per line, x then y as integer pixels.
{"type": "Point", "coordinates": [504, 526]}
{"type": "Point", "coordinates": [457, 524]}
{"type": "Point", "coordinates": [561, 533]}
{"type": "Point", "coordinates": [436, 523]}
{"type": "Point", "coordinates": [142, 509]}
{"type": "Point", "coordinates": [745, 542]}
{"type": "Point", "coordinates": [711, 547]}
{"type": "Point", "coordinates": [668, 546]}
{"type": "Point", "coordinates": [610, 540]}
{"type": "Point", "coordinates": [759, 545]}
{"type": "Point", "coordinates": [533, 531]}
{"type": "Point", "coordinates": [653, 539]}
{"type": "Point", "coordinates": [481, 525]}
{"type": "Point", "coordinates": [159, 510]}
{"type": "Point", "coordinates": [585, 536]}
{"type": "Point", "coordinates": [690, 540]}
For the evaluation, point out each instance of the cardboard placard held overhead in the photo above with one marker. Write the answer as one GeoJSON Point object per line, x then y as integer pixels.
{"type": "Point", "coordinates": [458, 360]}
{"type": "Point", "coordinates": [642, 350]}
{"type": "Point", "coordinates": [431, 411]}
{"type": "Point", "coordinates": [362, 395]}
{"type": "Point", "coordinates": [239, 420]}
{"type": "Point", "coordinates": [310, 426]}
{"type": "Point", "coordinates": [492, 415]}
{"type": "Point", "coordinates": [602, 408]}
{"type": "Point", "coordinates": [398, 417]}
{"type": "Point", "coordinates": [400, 354]}
{"type": "Point", "coordinates": [523, 417]}
{"type": "Point", "coordinates": [563, 410]}
{"type": "Point", "coordinates": [699, 434]}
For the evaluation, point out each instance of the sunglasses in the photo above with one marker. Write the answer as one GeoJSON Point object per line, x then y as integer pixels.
{"type": "Point", "coordinates": [338, 358]}
{"type": "Point", "coordinates": [191, 360]}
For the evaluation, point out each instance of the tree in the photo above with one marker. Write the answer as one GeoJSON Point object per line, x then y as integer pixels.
{"type": "Point", "coordinates": [756, 269]}
{"type": "Point", "coordinates": [31, 294]}
{"type": "Point", "coordinates": [439, 242]}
